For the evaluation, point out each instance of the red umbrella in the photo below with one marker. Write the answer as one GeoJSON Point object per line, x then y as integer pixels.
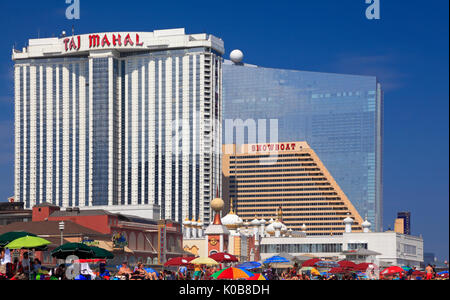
{"type": "Point", "coordinates": [392, 270]}
{"type": "Point", "coordinates": [310, 262]}
{"type": "Point", "coordinates": [224, 257]}
{"type": "Point", "coordinates": [362, 267]}
{"type": "Point", "coordinates": [178, 261]}
{"type": "Point", "coordinates": [337, 271]}
{"type": "Point", "coordinates": [418, 273]}
{"type": "Point", "coordinates": [347, 264]}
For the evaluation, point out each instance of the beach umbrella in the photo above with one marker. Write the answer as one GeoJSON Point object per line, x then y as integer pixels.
{"type": "Point", "coordinates": [338, 270]}
{"type": "Point", "coordinates": [418, 273]}
{"type": "Point", "coordinates": [257, 277]}
{"type": "Point", "coordinates": [276, 259]}
{"type": "Point", "coordinates": [224, 257]}
{"type": "Point", "coordinates": [443, 274]}
{"type": "Point", "coordinates": [8, 237]}
{"type": "Point", "coordinates": [178, 261]}
{"type": "Point", "coordinates": [363, 267]}
{"type": "Point", "coordinates": [392, 270]}
{"type": "Point", "coordinates": [327, 264]}
{"type": "Point", "coordinates": [406, 268]}
{"type": "Point", "coordinates": [310, 262]}
{"type": "Point", "coordinates": [249, 265]}
{"type": "Point", "coordinates": [314, 271]}
{"type": "Point", "coordinates": [232, 273]}
{"type": "Point", "coordinates": [27, 242]}
{"type": "Point", "coordinates": [348, 264]}
{"type": "Point", "coordinates": [77, 249]}
{"type": "Point", "coordinates": [204, 261]}
{"type": "Point", "coordinates": [150, 271]}
{"type": "Point", "coordinates": [101, 253]}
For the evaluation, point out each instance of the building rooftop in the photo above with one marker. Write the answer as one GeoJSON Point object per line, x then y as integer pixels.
{"type": "Point", "coordinates": [82, 45]}
{"type": "Point", "coordinates": [51, 228]}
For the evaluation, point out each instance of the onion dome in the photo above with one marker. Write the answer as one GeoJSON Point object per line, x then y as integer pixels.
{"type": "Point", "coordinates": [255, 222]}
{"type": "Point", "coordinates": [366, 224]}
{"type": "Point", "coordinates": [200, 223]}
{"type": "Point", "coordinates": [348, 220]}
{"type": "Point", "coordinates": [270, 229]}
{"type": "Point", "coordinates": [187, 222]}
{"type": "Point", "coordinates": [232, 221]}
{"type": "Point", "coordinates": [277, 225]}
{"type": "Point", "coordinates": [262, 222]}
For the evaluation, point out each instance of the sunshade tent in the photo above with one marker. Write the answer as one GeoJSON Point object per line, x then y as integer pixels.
{"type": "Point", "coordinates": [28, 242]}
{"type": "Point", "coordinates": [224, 257]}
{"type": "Point", "coordinates": [8, 237]}
{"type": "Point", "coordinates": [101, 253]}
{"type": "Point", "coordinates": [204, 261]}
{"type": "Point", "coordinates": [77, 249]}
{"type": "Point", "coordinates": [232, 273]}
{"type": "Point", "coordinates": [178, 261]}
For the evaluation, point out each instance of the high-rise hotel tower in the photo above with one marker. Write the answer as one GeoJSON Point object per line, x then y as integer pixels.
{"type": "Point", "coordinates": [120, 119]}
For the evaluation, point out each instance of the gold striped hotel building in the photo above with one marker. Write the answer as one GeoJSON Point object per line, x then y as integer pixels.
{"type": "Point", "coordinates": [261, 178]}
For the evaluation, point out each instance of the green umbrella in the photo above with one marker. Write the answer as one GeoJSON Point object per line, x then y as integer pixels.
{"type": "Point", "coordinates": [80, 250]}
{"type": "Point", "coordinates": [8, 237]}
{"type": "Point", "coordinates": [27, 242]}
{"type": "Point", "coordinates": [101, 253]}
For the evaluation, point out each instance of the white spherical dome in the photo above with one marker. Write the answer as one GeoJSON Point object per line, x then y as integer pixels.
{"type": "Point", "coordinates": [237, 56]}
{"type": "Point", "coordinates": [262, 222]}
{"type": "Point", "coordinates": [187, 222]}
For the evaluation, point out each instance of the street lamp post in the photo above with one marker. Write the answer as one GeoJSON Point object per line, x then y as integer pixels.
{"type": "Point", "coordinates": [61, 228]}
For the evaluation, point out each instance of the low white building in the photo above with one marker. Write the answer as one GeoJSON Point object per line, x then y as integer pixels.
{"type": "Point", "coordinates": [393, 248]}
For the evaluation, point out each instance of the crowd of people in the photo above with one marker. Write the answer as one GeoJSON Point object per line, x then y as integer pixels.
{"type": "Point", "coordinates": [32, 269]}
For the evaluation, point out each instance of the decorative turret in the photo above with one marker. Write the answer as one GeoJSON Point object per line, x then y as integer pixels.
{"type": "Point", "coordinates": [348, 224]}
{"type": "Point", "coordinates": [366, 226]}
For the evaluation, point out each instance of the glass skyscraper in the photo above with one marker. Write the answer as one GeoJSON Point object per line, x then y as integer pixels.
{"type": "Point", "coordinates": [340, 116]}
{"type": "Point", "coordinates": [120, 119]}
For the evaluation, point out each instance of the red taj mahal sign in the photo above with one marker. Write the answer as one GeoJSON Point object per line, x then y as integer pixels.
{"type": "Point", "coordinates": [107, 40]}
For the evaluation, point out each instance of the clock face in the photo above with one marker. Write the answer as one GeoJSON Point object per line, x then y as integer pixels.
{"type": "Point", "coordinates": [213, 242]}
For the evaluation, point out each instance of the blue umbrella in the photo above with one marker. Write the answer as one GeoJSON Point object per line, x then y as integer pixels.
{"type": "Point", "coordinates": [276, 259]}
{"type": "Point", "coordinates": [327, 264]}
{"type": "Point", "coordinates": [150, 271]}
{"type": "Point", "coordinates": [249, 265]}
{"type": "Point", "coordinates": [442, 273]}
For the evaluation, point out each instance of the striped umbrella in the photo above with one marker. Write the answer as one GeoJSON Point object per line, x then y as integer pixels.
{"type": "Point", "coordinates": [232, 273]}
{"type": "Point", "coordinates": [257, 277]}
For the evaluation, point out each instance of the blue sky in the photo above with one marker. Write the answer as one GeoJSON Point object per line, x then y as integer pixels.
{"type": "Point", "coordinates": [407, 49]}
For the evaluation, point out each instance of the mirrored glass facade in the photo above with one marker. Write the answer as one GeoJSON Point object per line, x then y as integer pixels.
{"type": "Point", "coordinates": [340, 116]}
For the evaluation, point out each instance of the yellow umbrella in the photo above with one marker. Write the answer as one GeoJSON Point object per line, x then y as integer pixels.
{"type": "Point", "coordinates": [204, 261]}
{"type": "Point", "coordinates": [315, 272]}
